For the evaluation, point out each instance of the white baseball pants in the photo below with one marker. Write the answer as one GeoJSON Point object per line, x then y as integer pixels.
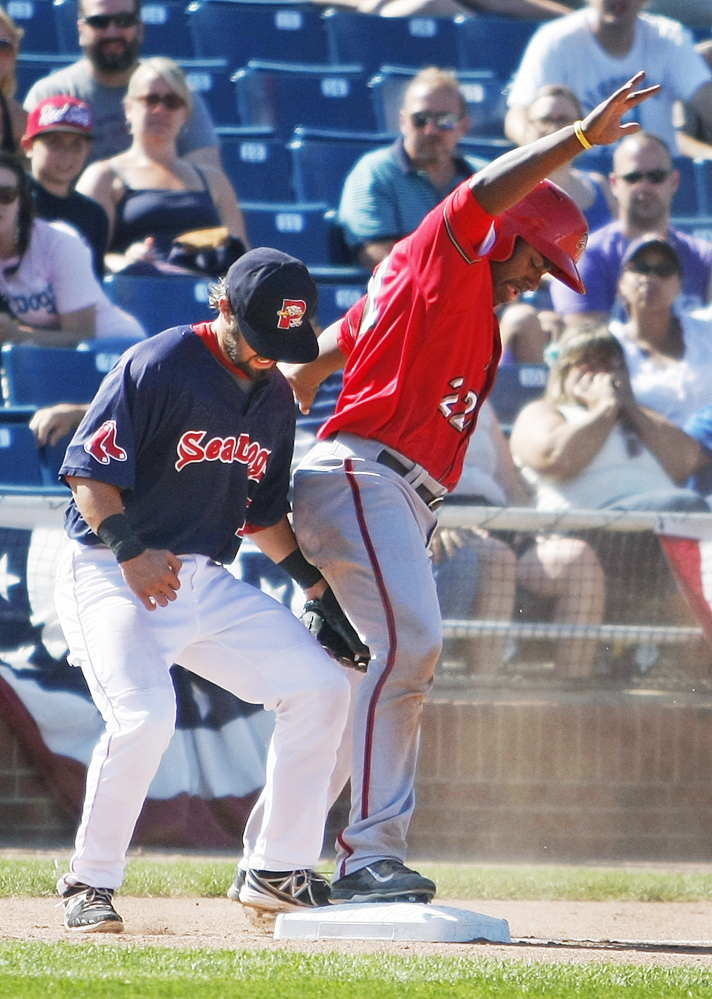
{"type": "Point", "coordinates": [233, 635]}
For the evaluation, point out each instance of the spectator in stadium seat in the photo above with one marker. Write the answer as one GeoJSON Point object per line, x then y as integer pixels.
{"type": "Point", "coordinates": [110, 34]}
{"type": "Point", "coordinates": [49, 294]}
{"type": "Point", "coordinates": [51, 423]}
{"type": "Point", "coordinates": [56, 143]}
{"type": "Point", "coordinates": [390, 190]}
{"type": "Point", "coordinates": [12, 115]}
{"type": "Point", "coordinates": [593, 50]}
{"type": "Point", "coordinates": [523, 337]}
{"type": "Point", "coordinates": [589, 444]}
{"type": "Point", "coordinates": [477, 574]}
{"type": "Point", "coordinates": [643, 182]}
{"type": "Point", "coordinates": [150, 194]}
{"type": "Point", "coordinates": [553, 107]}
{"type": "Point", "coordinates": [668, 350]}
{"type": "Point", "coordinates": [695, 133]}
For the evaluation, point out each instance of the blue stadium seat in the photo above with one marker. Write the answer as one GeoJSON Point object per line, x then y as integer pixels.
{"type": "Point", "coordinates": [42, 376]}
{"type": "Point", "coordinates": [37, 19]}
{"type": "Point", "coordinates": [516, 385]}
{"type": "Point", "coordinates": [284, 96]}
{"type": "Point", "coordinates": [336, 298]}
{"type": "Point", "coordinates": [704, 177]}
{"type": "Point", "coordinates": [321, 161]}
{"type": "Point", "coordinates": [687, 202]}
{"type": "Point", "coordinates": [32, 67]}
{"type": "Point", "coordinates": [211, 79]}
{"type": "Point", "coordinates": [265, 30]}
{"type": "Point", "coordinates": [160, 302]}
{"type": "Point", "coordinates": [258, 164]}
{"type": "Point", "coordinates": [303, 230]}
{"type": "Point", "coordinates": [323, 405]}
{"type": "Point", "coordinates": [19, 459]}
{"type": "Point", "coordinates": [494, 43]}
{"type": "Point", "coordinates": [482, 92]}
{"type": "Point", "coordinates": [166, 29]}
{"type": "Point", "coordinates": [371, 40]}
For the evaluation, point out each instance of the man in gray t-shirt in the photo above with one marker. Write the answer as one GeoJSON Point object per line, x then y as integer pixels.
{"type": "Point", "coordinates": [110, 34]}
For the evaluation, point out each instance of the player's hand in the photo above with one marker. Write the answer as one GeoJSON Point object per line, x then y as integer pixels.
{"type": "Point", "coordinates": [332, 629]}
{"type": "Point", "coordinates": [302, 384]}
{"type": "Point", "coordinates": [603, 125]}
{"type": "Point", "coordinates": [153, 577]}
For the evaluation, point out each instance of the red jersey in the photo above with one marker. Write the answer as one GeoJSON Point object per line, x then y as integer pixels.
{"type": "Point", "coordinates": [423, 344]}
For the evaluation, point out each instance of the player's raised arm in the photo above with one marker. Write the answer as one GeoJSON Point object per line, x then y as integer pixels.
{"type": "Point", "coordinates": [505, 181]}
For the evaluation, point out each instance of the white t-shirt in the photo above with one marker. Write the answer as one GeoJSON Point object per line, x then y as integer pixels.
{"type": "Point", "coordinates": [55, 277]}
{"type": "Point", "coordinates": [565, 51]}
{"type": "Point", "coordinates": [680, 389]}
{"type": "Point", "coordinates": [622, 468]}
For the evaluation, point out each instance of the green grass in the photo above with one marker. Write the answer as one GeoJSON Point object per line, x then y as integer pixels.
{"type": "Point", "coordinates": [101, 971]}
{"type": "Point", "coordinates": [209, 879]}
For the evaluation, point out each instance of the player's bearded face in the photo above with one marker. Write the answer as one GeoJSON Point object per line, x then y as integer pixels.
{"type": "Point", "coordinates": [244, 358]}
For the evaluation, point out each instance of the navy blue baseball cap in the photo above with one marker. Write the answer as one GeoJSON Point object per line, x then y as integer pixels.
{"type": "Point", "coordinates": [274, 298]}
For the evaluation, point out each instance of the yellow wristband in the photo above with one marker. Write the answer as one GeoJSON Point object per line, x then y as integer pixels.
{"type": "Point", "coordinates": [579, 133]}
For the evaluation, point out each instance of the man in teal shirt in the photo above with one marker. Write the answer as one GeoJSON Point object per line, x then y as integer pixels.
{"type": "Point", "coordinates": [391, 190]}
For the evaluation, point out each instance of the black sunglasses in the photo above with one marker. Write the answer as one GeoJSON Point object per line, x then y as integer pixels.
{"type": "Point", "coordinates": [665, 269]}
{"type": "Point", "coordinates": [446, 120]}
{"type": "Point", "coordinates": [102, 21]}
{"type": "Point", "coordinates": [8, 195]}
{"type": "Point", "coordinates": [170, 101]}
{"type": "Point", "coordinates": [654, 176]}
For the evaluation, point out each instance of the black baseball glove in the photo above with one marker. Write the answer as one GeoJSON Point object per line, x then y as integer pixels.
{"type": "Point", "coordinates": [332, 629]}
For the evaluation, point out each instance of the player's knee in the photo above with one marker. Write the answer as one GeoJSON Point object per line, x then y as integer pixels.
{"type": "Point", "coordinates": [147, 719]}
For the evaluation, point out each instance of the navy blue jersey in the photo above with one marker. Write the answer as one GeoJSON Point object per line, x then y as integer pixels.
{"type": "Point", "coordinates": [193, 453]}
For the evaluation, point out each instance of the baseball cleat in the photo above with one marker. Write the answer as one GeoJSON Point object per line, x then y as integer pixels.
{"type": "Point", "coordinates": [91, 910]}
{"type": "Point", "coordinates": [383, 881]}
{"type": "Point", "coordinates": [233, 891]}
{"type": "Point", "coordinates": [283, 891]}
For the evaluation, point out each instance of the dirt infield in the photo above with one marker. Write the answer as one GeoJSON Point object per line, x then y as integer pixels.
{"type": "Point", "coordinates": [220, 923]}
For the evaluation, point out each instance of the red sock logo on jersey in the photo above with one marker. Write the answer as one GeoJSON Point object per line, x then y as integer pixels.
{"type": "Point", "coordinates": [102, 444]}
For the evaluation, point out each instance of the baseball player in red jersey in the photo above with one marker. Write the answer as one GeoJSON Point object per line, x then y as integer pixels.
{"type": "Point", "coordinates": [420, 353]}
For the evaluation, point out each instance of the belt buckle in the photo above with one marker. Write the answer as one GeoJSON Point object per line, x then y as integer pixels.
{"type": "Point", "coordinates": [436, 502]}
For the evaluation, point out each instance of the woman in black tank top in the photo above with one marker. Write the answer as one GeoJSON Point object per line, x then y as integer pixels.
{"type": "Point", "coordinates": [13, 116]}
{"type": "Point", "coordinates": [150, 194]}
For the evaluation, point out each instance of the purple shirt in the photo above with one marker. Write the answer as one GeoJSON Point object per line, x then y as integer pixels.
{"type": "Point", "coordinates": [601, 264]}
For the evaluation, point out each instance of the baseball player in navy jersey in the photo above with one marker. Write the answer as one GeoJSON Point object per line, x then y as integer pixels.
{"type": "Point", "coordinates": [186, 446]}
{"type": "Point", "coordinates": [420, 354]}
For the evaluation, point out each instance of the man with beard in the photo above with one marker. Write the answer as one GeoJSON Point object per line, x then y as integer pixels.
{"type": "Point", "coordinates": [390, 191]}
{"type": "Point", "coordinates": [110, 34]}
{"type": "Point", "coordinates": [643, 183]}
{"type": "Point", "coordinates": [185, 448]}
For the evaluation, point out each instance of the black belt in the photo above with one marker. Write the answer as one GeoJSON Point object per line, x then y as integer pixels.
{"type": "Point", "coordinates": [390, 461]}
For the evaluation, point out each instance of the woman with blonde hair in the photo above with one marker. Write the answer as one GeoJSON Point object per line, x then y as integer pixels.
{"type": "Point", "coordinates": [13, 116]}
{"type": "Point", "coordinates": [150, 193]}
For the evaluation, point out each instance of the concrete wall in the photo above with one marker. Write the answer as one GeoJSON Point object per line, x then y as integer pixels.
{"type": "Point", "coordinates": [566, 777]}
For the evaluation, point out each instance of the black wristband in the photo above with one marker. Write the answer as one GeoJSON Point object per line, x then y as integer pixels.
{"type": "Point", "coordinates": [117, 533]}
{"type": "Point", "coordinates": [301, 571]}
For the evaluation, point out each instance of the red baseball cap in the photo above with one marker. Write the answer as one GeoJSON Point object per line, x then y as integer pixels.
{"type": "Point", "coordinates": [59, 114]}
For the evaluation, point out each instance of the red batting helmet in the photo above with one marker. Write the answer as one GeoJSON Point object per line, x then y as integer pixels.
{"type": "Point", "coordinates": [552, 223]}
